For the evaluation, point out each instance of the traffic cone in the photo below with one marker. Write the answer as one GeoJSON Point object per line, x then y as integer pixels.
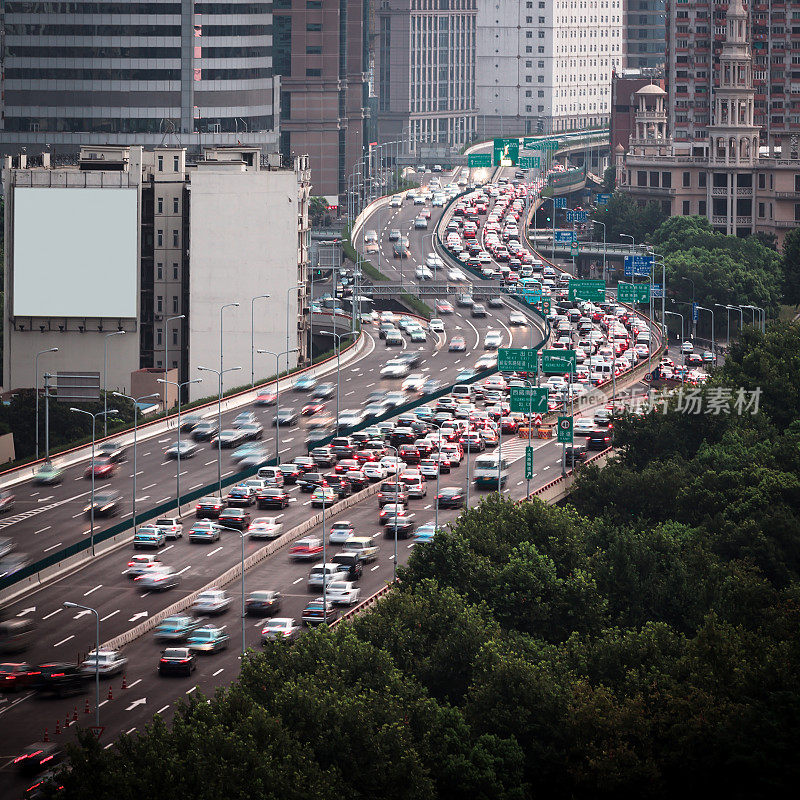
{"type": "Point", "coordinates": [86, 709]}
{"type": "Point", "coordinates": [66, 721]}
{"type": "Point", "coordinates": [110, 695]}
{"type": "Point", "coordinates": [124, 681]}
{"type": "Point", "coordinates": [46, 737]}
{"type": "Point", "coordinates": [57, 731]}
{"type": "Point", "coordinates": [75, 714]}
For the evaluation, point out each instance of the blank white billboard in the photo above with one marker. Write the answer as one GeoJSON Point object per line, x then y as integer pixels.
{"type": "Point", "coordinates": [75, 252]}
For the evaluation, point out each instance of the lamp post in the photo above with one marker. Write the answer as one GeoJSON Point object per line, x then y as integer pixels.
{"type": "Point", "coordinates": [36, 370]}
{"type": "Point", "coordinates": [219, 420]}
{"type": "Point", "coordinates": [135, 401]}
{"type": "Point", "coordinates": [277, 398]}
{"type": "Point", "coordinates": [760, 316]}
{"type": "Point", "coordinates": [595, 222]}
{"type": "Point", "coordinates": [713, 341]}
{"type": "Point", "coordinates": [396, 495]}
{"type": "Point", "coordinates": [666, 334]}
{"type": "Point", "coordinates": [438, 471]}
{"type": "Point", "coordinates": [221, 370]}
{"type": "Point", "coordinates": [94, 418]}
{"type": "Point", "coordinates": [241, 533]}
{"type": "Point", "coordinates": [179, 387]}
{"type": "Point", "coordinates": [288, 298]}
{"type": "Point", "coordinates": [694, 324]}
{"type": "Point", "coordinates": [741, 316]}
{"type": "Point", "coordinates": [338, 338]}
{"type": "Point", "coordinates": [105, 376]}
{"type": "Point", "coordinates": [728, 311]}
{"type": "Point", "coordinates": [68, 604]}
{"type": "Point", "coordinates": [166, 345]}
{"type": "Point", "coordinates": [253, 336]}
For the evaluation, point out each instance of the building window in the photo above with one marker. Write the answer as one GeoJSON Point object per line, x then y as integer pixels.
{"type": "Point", "coordinates": [762, 180]}
{"type": "Point", "coordinates": [313, 73]}
{"type": "Point", "coordinates": [701, 208]}
{"type": "Point", "coordinates": [174, 304]}
{"type": "Point", "coordinates": [174, 338]}
{"type": "Point", "coordinates": [762, 210]}
{"type": "Point", "coordinates": [797, 183]}
{"type": "Point", "coordinates": [687, 180]}
{"type": "Point", "coordinates": [701, 180]}
{"type": "Point", "coordinates": [160, 238]}
{"type": "Point", "coordinates": [159, 304]}
{"type": "Point", "coordinates": [160, 205]}
{"type": "Point", "coordinates": [641, 178]}
{"type": "Point", "coordinates": [158, 336]}
{"type": "Point", "coordinates": [174, 270]}
{"type": "Point", "coordinates": [175, 163]}
{"type": "Point", "coordinates": [175, 205]}
{"type": "Point", "coordinates": [654, 176]}
{"type": "Point", "coordinates": [686, 208]}
{"type": "Point", "coordinates": [161, 163]}
{"type": "Point", "coordinates": [174, 238]}
{"type": "Point", "coordinates": [666, 180]}
{"type": "Point", "coordinates": [797, 212]}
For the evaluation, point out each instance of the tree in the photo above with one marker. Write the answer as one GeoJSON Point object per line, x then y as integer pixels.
{"type": "Point", "coordinates": [790, 264]}
{"type": "Point", "coordinates": [609, 179]}
{"type": "Point", "coordinates": [623, 215]}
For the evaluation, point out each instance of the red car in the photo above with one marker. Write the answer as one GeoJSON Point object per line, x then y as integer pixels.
{"type": "Point", "coordinates": [310, 409]}
{"type": "Point", "coordinates": [363, 456]}
{"type": "Point", "coordinates": [16, 676]}
{"type": "Point", "coordinates": [268, 398]}
{"type": "Point", "coordinates": [306, 548]}
{"type": "Point", "coordinates": [102, 467]}
{"type": "Point", "coordinates": [345, 465]}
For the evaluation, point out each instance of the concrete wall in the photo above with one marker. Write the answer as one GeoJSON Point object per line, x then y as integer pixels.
{"type": "Point", "coordinates": [243, 243]}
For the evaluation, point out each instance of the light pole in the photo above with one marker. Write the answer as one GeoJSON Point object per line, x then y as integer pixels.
{"type": "Point", "coordinates": [741, 316]}
{"type": "Point", "coordinates": [36, 370]}
{"type": "Point", "coordinates": [438, 472]}
{"type": "Point", "coordinates": [179, 387]}
{"type": "Point", "coordinates": [253, 336]}
{"type": "Point", "coordinates": [694, 324]}
{"type": "Point", "coordinates": [728, 311]}
{"type": "Point", "coordinates": [105, 376]}
{"type": "Point", "coordinates": [338, 338]}
{"type": "Point", "coordinates": [595, 222]}
{"type": "Point", "coordinates": [241, 533]}
{"type": "Point", "coordinates": [761, 316]}
{"type": "Point", "coordinates": [219, 420]}
{"type": "Point", "coordinates": [166, 345]}
{"type": "Point", "coordinates": [553, 252]}
{"type": "Point", "coordinates": [221, 370]}
{"type": "Point", "coordinates": [135, 401]}
{"type": "Point", "coordinates": [94, 418]}
{"type": "Point", "coordinates": [666, 334]}
{"type": "Point", "coordinates": [288, 298]}
{"type": "Point", "coordinates": [713, 341]}
{"type": "Point", "coordinates": [277, 397]}
{"type": "Point", "coordinates": [68, 604]}
{"type": "Point", "coordinates": [396, 496]}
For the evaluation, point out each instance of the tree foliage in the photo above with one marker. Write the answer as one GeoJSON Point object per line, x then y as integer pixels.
{"type": "Point", "coordinates": [622, 214]}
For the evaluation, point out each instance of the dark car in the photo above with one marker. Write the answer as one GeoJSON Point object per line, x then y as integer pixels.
{"type": "Point", "coordinates": [392, 492]}
{"type": "Point", "coordinates": [340, 484]}
{"type": "Point", "coordinates": [576, 451]}
{"type": "Point", "coordinates": [350, 565]}
{"type": "Point", "coordinates": [111, 450]}
{"type": "Point", "coordinates": [324, 456]}
{"type": "Point", "coordinates": [410, 454]}
{"type": "Point", "coordinates": [403, 522]}
{"type": "Point", "coordinates": [60, 679]}
{"type": "Point", "coordinates": [106, 503]}
{"type": "Point", "coordinates": [263, 602]}
{"type": "Point", "coordinates": [273, 497]}
{"type": "Point", "coordinates": [495, 302]}
{"type": "Point", "coordinates": [450, 497]}
{"type": "Point", "coordinates": [176, 661]}
{"type": "Point", "coordinates": [16, 676]}
{"type": "Point", "coordinates": [209, 507]}
{"type": "Point", "coordinates": [235, 518]}
{"type": "Point", "coordinates": [317, 612]}
{"type": "Point", "coordinates": [290, 472]}
{"type": "Point", "coordinates": [286, 416]}
{"type": "Point", "coordinates": [310, 481]}
{"type": "Point", "coordinates": [204, 431]}
{"type": "Point", "coordinates": [358, 479]}
{"type": "Point", "coordinates": [240, 496]}
{"type": "Point", "coordinates": [599, 440]}
{"type": "Point", "coordinates": [305, 464]}
{"type": "Point", "coordinates": [37, 757]}
{"type": "Point", "coordinates": [322, 391]}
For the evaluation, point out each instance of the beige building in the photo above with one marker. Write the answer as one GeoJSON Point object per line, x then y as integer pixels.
{"type": "Point", "coordinates": [724, 175]}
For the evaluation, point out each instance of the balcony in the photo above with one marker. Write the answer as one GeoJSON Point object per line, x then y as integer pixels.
{"type": "Point", "coordinates": [739, 191]}
{"type": "Point", "coordinates": [719, 220]}
{"type": "Point", "coordinates": [787, 195]}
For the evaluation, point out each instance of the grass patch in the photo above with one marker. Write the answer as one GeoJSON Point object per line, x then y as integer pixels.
{"type": "Point", "coordinates": [787, 313]}
{"type": "Point", "coordinates": [423, 309]}
{"type": "Point", "coordinates": [350, 252]}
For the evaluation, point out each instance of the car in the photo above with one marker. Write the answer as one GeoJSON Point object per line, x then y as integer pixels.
{"type": "Point", "coordinates": [177, 661]}
{"type": "Point", "coordinates": [708, 357]}
{"type": "Point", "coordinates": [323, 391]}
{"type": "Point", "coordinates": [48, 475]}
{"type": "Point", "coordinates": [158, 578]}
{"type": "Point", "coordinates": [37, 757]}
{"type": "Point", "coordinates": [420, 222]}
{"type": "Point", "coordinates": [149, 536]}
{"type": "Point", "coordinates": [16, 676]}
{"type": "Point", "coordinates": [286, 416]}
{"type": "Point", "coordinates": [394, 235]}
{"type": "Point", "coordinates": [272, 497]}
{"type": "Point", "coordinates": [229, 438]}
{"type": "Point", "coordinates": [318, 612]}
{"type": "Point", "coordinates": [464, 300]}
{"type": "Point", "coordinates": [6, 501]}
{"type": "Point", "coordinates": [239, 495]}
{"type": "Point", "coordinates": [306, 548]}
{"type": "Point", "coordinates": [401, 250]}
{"type": "Point", "coordinates": [305, 383]}
{"type": "Point", "coordinates": [582, 426]}
{"type": "Point", "coordinates": [492, 340]}
{"type": "Point", "coordinates": [374, 470]}
{"type": "Point", "coordinates": [495, 302]}
{"type": "Point", "coordinates": [279, 628]}
{"type": "Point", "coordinates": [106, 503]}
{"type": "Point", "coordinates": [436, 325]}
{"type": "Point", "coordinates": [343, 593]}
{"type": "Point", "coordinates": [341, 531]}
{"type": "Point", "coordinates": [106, 662]}
{"type": "Point", "coordinates": [175, 629]}
{"type": "Point", "coordinates": [602, 418]}
{"type": "Point", "coordinates": [212, 601]}
{"type": "Point", "coordinates": [139, 564]}
{"type": "Point", "coordinates": [111, 450]}
{"type": "Point", "coordinates": [263, 602]}
{"type": "Point", "coordinates": [190, 421]}
{"type": "Point", "coordinates": [575, 451]}
{"type": "Point", "coordinates": [687, 347]}
{"type": "Point", "coordinates": [314, 407]}
{"type": "Point", "coordinates": [396, 201]}
{"type": "Point", "coordinates": [443, 307]}
{"type": "Point", "coordinates": [478, 310]}
{"type": "Point", "coordinates": [244, 418]}
{"type": "Point", "coordinates": [208, 639]}
{"type": "Point", "coordinates": [235, 518]}
{"type": "Point", "coordinates": [266, 398]}
{"type": "Point", "coordinates": [60, 679]}
{"type": "Point", "coordinates": [323, 496]}
{"type": "Point", "coordinates": [209, 507]}
{"type": "Point", "coordinates": [184, 448]}
{"type": "Point", "coordinates": [204, 431]}
{"type": "Point", "coordinates": [265, 528]}
{"type": "Point", "coordinates": [101, 468]}
{"type": "Point", "coordinates": [424, 533]}
{"type": "Point", "coordinates": [393, 338]}
{"type": "Point", "coordinates": [517, 318]}
{"type": "Point", "coordinates": [204, 531]}
{"type": "Point", "coordinates": [450, 497]}
{"type": "Point", "coordinates": [599, 439]}
{"type": "Point", "coordinates": [458, 344]}
{"type": "Point", "coordinates": [252, 431]}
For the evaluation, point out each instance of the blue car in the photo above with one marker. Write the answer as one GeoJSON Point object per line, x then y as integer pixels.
{"type": "Point", "coordinates": [176, 628]}
{"type": "Point", "coordinates": [149, 536]}
{"type": "Point", "coordinates": [424, 412]}
{"type": "Point", "coordinates": [465, 375]}
{"type": "Point", "coordinates": [305, 383]}
{"type": "Point", "coordinates": [424, 533]}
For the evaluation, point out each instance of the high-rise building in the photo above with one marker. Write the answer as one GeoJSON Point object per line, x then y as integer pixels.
{"type": "Point", "coordinates": [321, 53]}
{"type": "Point", "coordinates": [545, 65]}
{"type": "Point", "coordinates": [695, 36]}
{"type": "Point", "coordinates": [645, 34]}
{"type": "Point", "coordinates": [425, 70]}
{"type": "Point", "coordinates": [112, 72]}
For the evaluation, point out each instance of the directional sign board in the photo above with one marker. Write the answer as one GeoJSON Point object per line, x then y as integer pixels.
{"type": "Point", "coordinates": [564, 430]}
{"type": "Point", "coordinates": [594, 290]}
{"type": "Point", "coordinates": [506, 152]}
{"type": "Point", "coordinates": [529, 162]}
{"type": "Point", "coordinates": [638, 265]}
{"type": "Point", "coordinates": [528, 399]}
{"type": "Point", "coordinates": [658, 290]}
{"type": "Point", "coordinates": [517, 359]}
{"type": "Point", "coordinates": [560, 202]}
{"type": "Point", "coordinates": [559, 361]}
{"type": "Point", "coordinates": [602, 199]}
{"type": "Point", "coordinates": [479, 160]}
{"type": "Point", "coordinates": [528, 463]}
{"type": "Point", "coordinates": [695, 313]}
{"type": "Point", "coordinates": [577, 216]}
{"type": "Point", "coordinates": [550, 144]}
{"type": "Point", "coordinates": [529, 143]}
{"type": "Point", "coordinates": [633, 292]}
{"type": "Point", "coordinates": [564, 237]}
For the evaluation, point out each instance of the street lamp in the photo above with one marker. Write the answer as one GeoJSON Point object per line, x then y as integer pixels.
{"type": "Point", "coordinates": [761, 316]}
{"type": "Point", "coordinates": [338, 337]}
{"type": "Point", "coordinates": [135, 401]}
{"type": "Point", "coordinates": [166, 344]}
{"type": "Point", "coordinates": [713, 341]}
{"type": "Point", "coordinates": [253, 336]}
{"type": "Point", "coordinates": [105, 376]}
{"type": "Point", "coordinates": [68, 604]}
{"type": "Point", "coordinates": [219, 419]}
{"type": "Point", "coordinates": [694, 324]}
{"type": "Point", "coordinates": [741, 316]}
{"type": "Point", "coordinates": [277, 396]}
{"type": "Point", "coordinates": [396, 496]}
{"type": "Point", "coordinates": [36, 370]}
{"type": "Point", "coordinates": [179, 387]}
{"type": "Point", "coordinates": [596, 222]}
{"type": "Point", "coordinates": [438, 471]}
{"type": "Point", "coordinates": [241, 533]}
{"type": "Point", "coordinates": [94, 418]}
{"type": "Point", "coordinates": [288, 298]}
{"type": "Point", "coordinates": [728, 335]}
{"type": "Point", "coordinates": [221, 370]}
{"type": "Point", "coordinates": [666, 334]}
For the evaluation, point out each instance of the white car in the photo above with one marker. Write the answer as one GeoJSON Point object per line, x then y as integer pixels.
{"type": "Point", "coordinates": [394, 369]}
{"type": "Point", "coordinates": [392, 464]}
{"type": "Point", "coordinates": [280, 628]}
{"type": "Point", "coordinates": [429, 468]}
{"type": "Point", "coordinates": [582, 426]}
{"type": "Point", "coordinates": [342, 593]}
{"type": "Point", "coordinates": [436, 325]}
{"type": "Point", "coordinates": [414, 383]}
{"type": "Point", "coordinates": [212, 601]}
{"type": "Point", "coordinates": [349, 418]}
{"type": "Point", "coordinates": [687, 347]}
{"type": "Point", "coordinates": [517, 318]}
{"type": "Point", "coordinates": [265, 528]}
{"type": "Point", "coordinates": [455, 275]}
{"type": "Point", "coordinates": [432, 261]}
{"type": "Point", "coordinates": [106, 662]}
{"type": "Point", "coordinates": [422, 273]}
{"type": "Point", "coordinates": [341, 531]}
{"type": "Point", "coordinates": [374, 471]}
{"type": "Point", "coordinates": [493, 340]}
{"type": "Point", "coordinates": [397, 201]}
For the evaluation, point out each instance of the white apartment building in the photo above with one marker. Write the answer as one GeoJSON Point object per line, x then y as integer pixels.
{"type": "Point", "coordinates": [545, 65]}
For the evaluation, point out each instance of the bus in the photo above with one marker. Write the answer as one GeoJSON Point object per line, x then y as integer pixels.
{"type": "Point", "coordinates": [486, 471]}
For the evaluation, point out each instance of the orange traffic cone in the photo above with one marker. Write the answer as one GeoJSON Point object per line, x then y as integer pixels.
{"type": "Point", "coordinates": [46, 737]}
{"type": "Point", "coordinates": [86, 709]}
{"type": "Point", "coordinates": [110, 695]}
{"type": "Point", "coordinates": [124, 682]}
{"type": "Point", "coordinates": [57, 731]}
{"type": "Point", "coordinates": [75, 714]}
{"type": "Point", "coordinates": [66, 721]}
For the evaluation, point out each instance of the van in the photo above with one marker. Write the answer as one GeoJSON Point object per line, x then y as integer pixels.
{"type": "Point", "coordinates": [16, 635]}
{"type": "Point", "coordinates": [414, 485]}
{"type": "Point", "coordinates": [350, 564]}
{"type": "Point", "coordinates": [643, 337]}
{"type": "Point", "coordinates": [330, 571]}
{"type": "Point", "coordinates": [463, 391]}
{"type": "Point", "coordinates": [363, 545]}
{"type": "Point", "coordinates": [272, 475]}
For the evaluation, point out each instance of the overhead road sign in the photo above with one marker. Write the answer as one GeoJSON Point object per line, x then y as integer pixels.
{"type": "Point", "coordinates": [530, 162]}
{"type": "Point", "coordinates": [602, 199]}
{"type": "Point", "coordinates": [560, 202]}
{"type": "Point", "coordinates": [640, 266]}
{"type": "Point", "coordinates": [517, 359]}
{"type": "Point", "coordinates": [528, 399]}
{"type": "Point", "coordinates": [565, 237]}
{"type": "Point", "coordinates": [633, 293]}
{"type": "Point", "coordinates": [559, 361]}
{"type": "Point", "coordinates": [594, 290]}
{"type": "Point", "coordinates": [477, 160]}
{"type": "Point", "coordinates": [506, 152]}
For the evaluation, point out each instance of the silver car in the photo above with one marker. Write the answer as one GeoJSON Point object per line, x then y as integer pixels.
{"type": "Point", "coordinates": [106, 662]}
{"type": "Point", "coordinates": [343, 593]}
{"type": "Point", "coordinates": [212, 601]}
{"type": "Point", "coordinates": [158, 580]}
{"type": "Point", "coordinates": [280, 628]}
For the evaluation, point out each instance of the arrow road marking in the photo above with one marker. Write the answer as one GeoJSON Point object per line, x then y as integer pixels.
{"type": "Point", "coordinates": [26, 611]}
{"type": "Point", "coordinates": [137, 616]}
{"type": "Point", "coordinates": [141, 701]}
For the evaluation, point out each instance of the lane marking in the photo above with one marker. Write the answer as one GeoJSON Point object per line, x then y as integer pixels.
{"type": "Point", "coordinates": [57, 544]}
{"type": "Point", "coordinates": [99, 586]}
{"type": "Point", "coordinates": [64, 641]}
{"type": "Point", "coordinates": [377, 566]}
{"type": "Point", "coordinates": [139, 680]}
{"type": "Point", "coordinates": [108, 616]}
{"type": "Point", "coordinates": [189, 691]}
{"type": "Point", "coordinates": [128, 733]}
{"type": "Point", "coordinates": [42, 530]}
{"type": "Point", "coordinates": [162, 710]}
{"type": "Point", "coordinates": [297, 581]}
{"type": "Point", "coordinates": [214, 675]}
{"type": "Point", "coordinates": [216, 550]}
{"type": "Point", "coordinates": [53, 613]}
{"type": "Point", "coordinates": [145, 488]}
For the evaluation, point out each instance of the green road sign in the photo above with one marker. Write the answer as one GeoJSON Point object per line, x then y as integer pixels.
{"type": "Point", "coordinates": [529, 143]}
{"type": "Point", "coordinates": [564, 430]}
{"type": "Point", "coordinates": [545, 305]}
{"type": "Point", "coordinates": [559, 361]}
{"type": "Point", "coordinates": [528, 463]}
{"type": "Point", "coordinates": [633, 293]}
{"type": "Point", "coordinates": [550, 144]}
{"type": "Point", "coordinates": [530, 162]}
{"type": "Point", "coordinates": [594, 290]}
{"type": "Point", "coordinates": [506, 152]}
{"type": "Point", "coordinates": [528, 399]}
{"type": "Point", "coordinates": [479, 160]}
{"type": "Point", "coordinates": [517, 359]}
